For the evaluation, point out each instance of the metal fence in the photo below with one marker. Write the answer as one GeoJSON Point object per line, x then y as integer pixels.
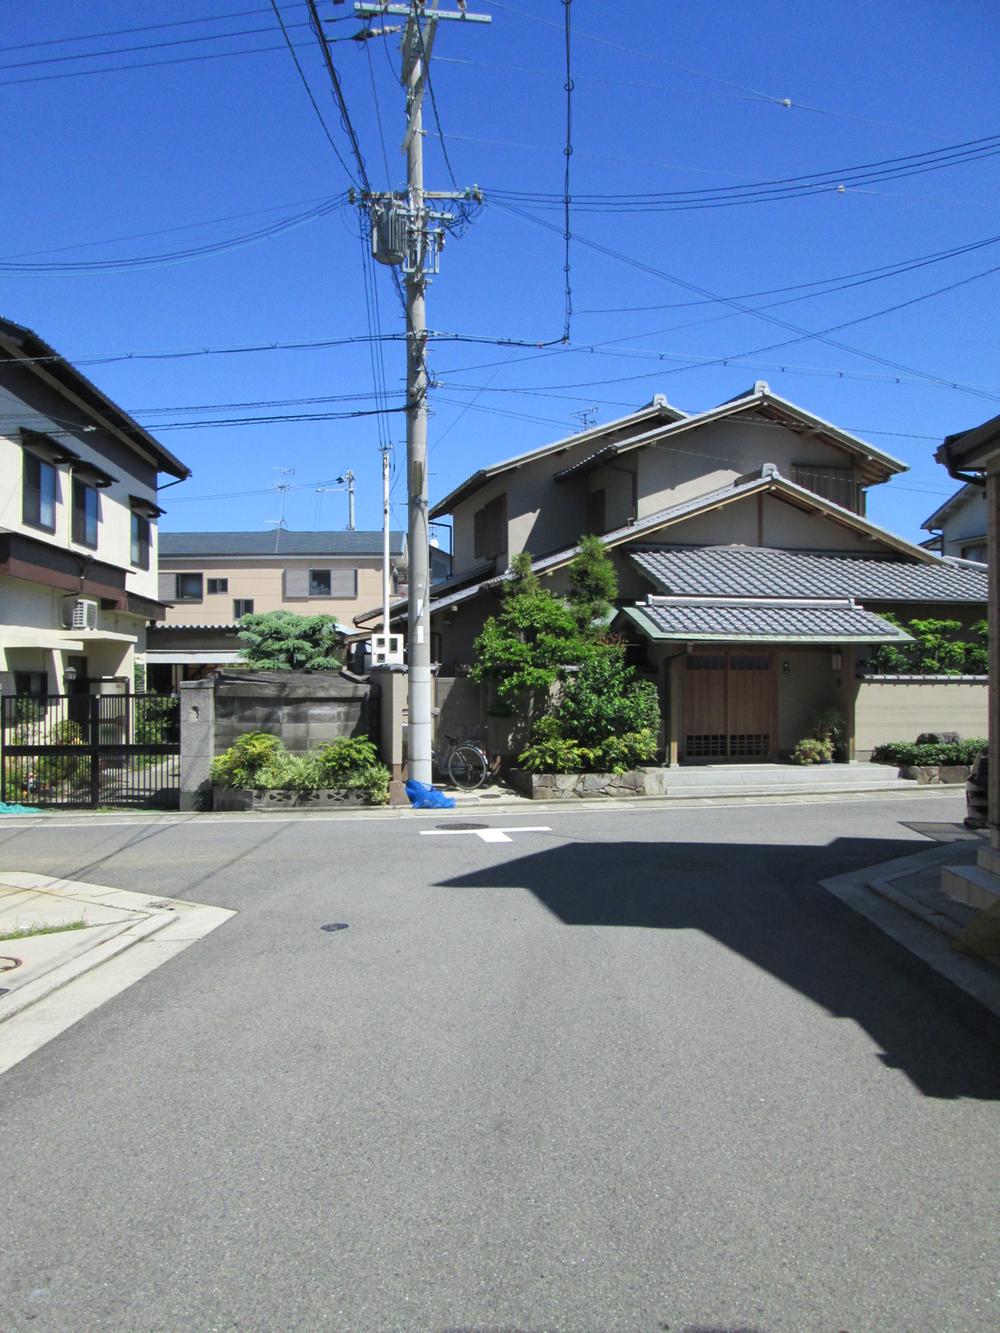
{"type": "Point", "coordinates": [90, 750]}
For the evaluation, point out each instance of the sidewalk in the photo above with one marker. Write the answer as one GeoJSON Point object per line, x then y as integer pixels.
{"type": "Point", "coordinates": [106, 924]}
{"type": "Point", "coordinates": [903, 898]}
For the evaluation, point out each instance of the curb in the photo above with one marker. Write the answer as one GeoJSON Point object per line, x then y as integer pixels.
{"type": "Point", "coordinates": [100, 951]}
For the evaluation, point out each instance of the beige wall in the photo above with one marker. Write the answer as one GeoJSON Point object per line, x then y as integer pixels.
{"type": "Point", "coordinates": [702, 459]}
{"type": "Point", "coordinates": [901, 710]}
{"type": "Point", "coordinates": [810, 687]}
{"type": "Point", "coordinates": [262, 580]}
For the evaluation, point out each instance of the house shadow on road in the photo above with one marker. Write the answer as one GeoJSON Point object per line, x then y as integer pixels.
{"type": "Point", "coordinates": [763, 901]}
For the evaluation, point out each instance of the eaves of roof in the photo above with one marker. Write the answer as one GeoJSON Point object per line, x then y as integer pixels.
{"type": "Point", "coordinates": [970, 450]}
{"type": "Point", "coordinates": [952, 503]}
{"type": "Point", "coordinates": [874, 462]}
{"type": "Point", "coordinates": [767, 480]}
{"type": "Point", "coordinates": [658, 408]}
{"type": "Point", "coordinates": [747, 620]}
{"type": "Point", "coordinates": [21, 344]}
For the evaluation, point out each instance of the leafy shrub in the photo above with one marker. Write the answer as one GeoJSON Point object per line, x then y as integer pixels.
{"type": "Point", "coordinates": [618, 754]}
{"type": "Point", "coordinates": [342, 760]}
{"type": "Point", "coordinates": [288, 772]}
{"type": "Point", "coordinates": [812, 750]}
{"type": "Point", "coordinates": [66, 732]}
{"type": "Point", "coordinates": [907, 754]}
{"type": "Point", "coordinates": [603, 700]}
{"type": "Point", "coordinates": [552, 752]}
{"type": "Point", "coordinates": [284, 641]}
{"type": "Point", "coordinates": [155, 716]}
{"type": "Point", "coordinates": [239, 765]}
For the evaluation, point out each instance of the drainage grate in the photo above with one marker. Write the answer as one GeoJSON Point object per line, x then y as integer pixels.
{"type": "Point", "coordinates": [335, 925]}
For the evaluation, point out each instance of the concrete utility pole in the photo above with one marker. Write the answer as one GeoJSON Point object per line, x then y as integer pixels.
{"type": "Point", "coordinates": [386, 512]}
{"type": "Point", "coordinates": [348, 480]}
{"type": "Point", "coordinates": [402, 234]}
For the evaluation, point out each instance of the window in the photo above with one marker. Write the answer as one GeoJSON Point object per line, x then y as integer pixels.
{"type": "Point", "coordinates": [320, 582]}
{"type": "Point", "coordinates": [975, 551]}
{"type": "Point", "coordinates": [39, 493]}
{"type": "Point", "coordinates": [242, 606]}
{"type": "Point", "coordinates": [491, 529]}
{"type": "Point", "coordinates": [140, 540]}
{"type": "Point", "coordinates": [189, 587]}
{"type": "Point", "coordinates": [85, 513]}
{"type": "Point", "coordinates": [218, 585]}
{"type": "Point", "coordinates": [831, 483]}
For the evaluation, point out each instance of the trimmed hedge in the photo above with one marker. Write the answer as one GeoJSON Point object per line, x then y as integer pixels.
{"type": "Point", "coordinates": [907, 754]}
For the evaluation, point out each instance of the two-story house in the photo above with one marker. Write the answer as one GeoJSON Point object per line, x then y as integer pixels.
{"type": "Point", "coordinates": [958, 527]}
{"type": "Point", "coordinates": [209, 580]}
{"type": "Point", "coordinates": [750, 578]}
{"type": "Point", "coordinates": [78, 525]}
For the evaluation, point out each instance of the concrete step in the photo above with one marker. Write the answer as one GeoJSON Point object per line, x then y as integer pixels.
{"type": "Point", "coordinates": [972, 885]}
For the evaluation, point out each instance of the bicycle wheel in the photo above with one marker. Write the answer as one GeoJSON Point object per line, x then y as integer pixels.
{"type": "Point", "coordinates": [467, 767]}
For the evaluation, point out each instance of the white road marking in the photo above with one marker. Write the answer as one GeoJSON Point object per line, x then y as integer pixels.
{"type": "Point", "coordinates": [486, 834]}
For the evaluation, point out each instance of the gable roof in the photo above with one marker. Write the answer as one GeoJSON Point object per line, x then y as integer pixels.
{"type": "Point", "coordinates": [876, 466]}
{"type": "Point", "coordinates": [658, 409]}
{"type": "Point", "coordinates": [764, 572]}
{"type": "Point", "coordinates": [20, 345]}
{"type": "Point", "coordinates": [768, 480]}
{"type": "Point", "coordinates": [954, 502]}
{"type": "Point", "coordinates": [289, 543]}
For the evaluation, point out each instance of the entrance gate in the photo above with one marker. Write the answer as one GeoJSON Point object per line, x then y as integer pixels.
{"type": "Point", "coordinates": [730, 706]}
{"type": "Point", "coordinates": [90, 749]}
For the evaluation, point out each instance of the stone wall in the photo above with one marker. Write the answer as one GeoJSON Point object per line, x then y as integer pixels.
{"type": "Point", "coordinates": [900, 708]}
{"type": "Point", "coordinates": [571, 786]}
{"type": "Point", "coordinates": [305, 708]}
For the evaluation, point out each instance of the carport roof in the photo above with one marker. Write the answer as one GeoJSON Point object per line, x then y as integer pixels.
{"type": "Point", "coordinates": [748, 620]}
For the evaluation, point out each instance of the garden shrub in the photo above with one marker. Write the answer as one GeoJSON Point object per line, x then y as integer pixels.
{"type": "Point", "coordinates": [908, 754]}
{"type": "Point", "coordinates": [813, 750]}
{"type": "Point", "coordinates": [239, 765]}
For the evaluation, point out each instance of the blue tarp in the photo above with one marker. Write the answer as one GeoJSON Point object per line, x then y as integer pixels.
{"type": "Point", "coordinates": [423, 797]}
{"type": "Point", "coordinates": [6, 809]}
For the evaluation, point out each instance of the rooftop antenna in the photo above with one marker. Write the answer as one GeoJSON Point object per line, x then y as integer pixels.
{"type": "Point", "coordinates": [320, 492]}
{"type": "Point", "coordinates": [283, 487]}
{"type": "Point", "coordinates": [587, 417]}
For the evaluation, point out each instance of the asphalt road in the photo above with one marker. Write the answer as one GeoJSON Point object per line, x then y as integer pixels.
{"type": "Point", "coordinates": [637, 1072]}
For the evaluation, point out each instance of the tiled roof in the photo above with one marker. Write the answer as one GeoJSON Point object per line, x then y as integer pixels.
{"type": "Point", "coordinates": [750, 571]}
{"type": "Point", "coordinates": [289, 543]}
{"type": "Point", "coordinates": [726, 620]}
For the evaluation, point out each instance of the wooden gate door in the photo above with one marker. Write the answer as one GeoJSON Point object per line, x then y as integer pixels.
{"type": "Point", "coordinates": [730, 706]}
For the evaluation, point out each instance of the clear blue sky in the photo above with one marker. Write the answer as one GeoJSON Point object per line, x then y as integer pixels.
{"type": "Point", "coordinates": [668, 98]}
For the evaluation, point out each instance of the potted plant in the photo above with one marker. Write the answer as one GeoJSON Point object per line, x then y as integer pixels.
{"type": "Point", "coordinates": [831, 725]}
{"type": "Point", "coordinates": [812, 750]}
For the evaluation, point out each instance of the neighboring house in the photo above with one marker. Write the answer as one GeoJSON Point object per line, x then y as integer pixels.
{"type": "Point", "coordinates": [78, 526]}
{"type": "Point", "coordinates": [958, 527]}
{"type": "Point", "coordinates": [751, 583]}
{"type": "Point", "coordinates": [211, 579]}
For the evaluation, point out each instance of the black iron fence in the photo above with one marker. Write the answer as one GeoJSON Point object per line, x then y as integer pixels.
{"type": "Point", "coordinates": [90, 749]}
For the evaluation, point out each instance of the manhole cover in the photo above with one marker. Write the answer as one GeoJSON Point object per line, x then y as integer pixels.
{"type": "Point", "coordinates": [460, 826]}
{"type": "Point", "coordinates": [335, 925]}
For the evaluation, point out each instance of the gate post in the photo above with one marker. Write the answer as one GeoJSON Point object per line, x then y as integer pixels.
{"type": "Point", "coordinates": [94, 738]}
{"type": "Point", "coordinates": [197, 743]}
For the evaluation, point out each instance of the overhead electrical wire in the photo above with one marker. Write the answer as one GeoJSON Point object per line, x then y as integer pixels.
{"type": "Point", "coordinates": [148, 27]}
{"type": "Point", "coordinates": [309, 92]}
{"type": "Point", "coordinates": [84, 267]}
{"type": "Point", "coordinates": [818, 335]}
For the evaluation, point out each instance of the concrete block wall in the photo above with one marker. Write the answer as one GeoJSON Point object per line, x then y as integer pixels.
{"type": "Point", "coordinates": [306, 709]}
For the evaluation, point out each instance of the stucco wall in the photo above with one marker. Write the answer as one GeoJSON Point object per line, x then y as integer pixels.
{"type": "Point", "coordinates": [810, 687]}
{"type": "Point", "coordinates": [900, 710]}
{"type": "Point", "coordinates": [262, 581]}
{"type": "Point", "coordinates": [36, 408]}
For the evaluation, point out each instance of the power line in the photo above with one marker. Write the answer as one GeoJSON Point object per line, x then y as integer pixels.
{"type": "Point", "coordinates": [309, 92]}
{"type": "Point", "coordinates": [168, 258]}
{"type": "Point", "coordinates": [149, 27]}
{"type": "Point", "coordinates": [819, 335]}
{"type": "Point", "coordinates": [568, 151]}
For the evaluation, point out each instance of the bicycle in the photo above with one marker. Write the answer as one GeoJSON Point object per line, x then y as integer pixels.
{"type": "Point", "coordinates": [464, 762]}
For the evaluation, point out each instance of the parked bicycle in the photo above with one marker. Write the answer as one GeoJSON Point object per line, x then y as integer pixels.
{"type": "Point", "coordinates": [465, 764]}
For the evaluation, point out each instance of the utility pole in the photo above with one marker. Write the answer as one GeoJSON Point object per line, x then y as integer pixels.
{"type": "Point", "coordinates": [348, 480]}
{"type": "Point", "coordinates": [403, 234]}
{"type": "Point", "coordinates": [386, 512]}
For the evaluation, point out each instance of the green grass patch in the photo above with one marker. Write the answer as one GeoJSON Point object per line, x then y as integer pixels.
{"type": "Point", "coordinates": [26, 932]}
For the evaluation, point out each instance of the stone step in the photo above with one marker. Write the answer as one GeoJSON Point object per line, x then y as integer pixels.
{"type": "Point", "coordinates": [972, 885]}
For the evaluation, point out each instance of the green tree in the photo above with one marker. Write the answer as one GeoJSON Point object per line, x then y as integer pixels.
{"type": "Point", "coordinates": [284, 641]}
{"type": "Point", "coordinates": [523, 647]}
{"type": "Point", "coordinates": [593, 587]}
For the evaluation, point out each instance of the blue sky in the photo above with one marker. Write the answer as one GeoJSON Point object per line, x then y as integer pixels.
{"type": "Point", "coordinates": [151, 159]}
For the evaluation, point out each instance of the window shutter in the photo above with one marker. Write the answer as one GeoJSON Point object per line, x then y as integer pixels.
{"type": "Point", "coordinates": [168, 587]}
{"type": "Point", "coordinates": [343, 583]}
{"type": "Point", "coordinates": [296, 583]}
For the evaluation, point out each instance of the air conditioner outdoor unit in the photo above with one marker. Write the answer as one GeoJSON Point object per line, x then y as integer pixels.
{"type": "Point", "coordinates": [79, 613]}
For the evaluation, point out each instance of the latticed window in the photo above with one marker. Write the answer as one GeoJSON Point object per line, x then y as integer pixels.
{"type": "Point", "coordinates": [838, 484]}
